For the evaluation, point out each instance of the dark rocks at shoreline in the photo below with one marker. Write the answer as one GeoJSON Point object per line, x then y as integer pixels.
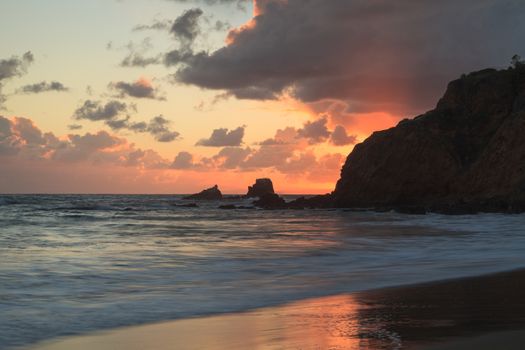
{"type": "Point", "coordinates": [315, 202]}
{"type": "Point", "coordinates": [234, 207]}
{"type": "Point", "coordinates": [465, 156]}
{"type": "Point", "coordinates": [189, 205]}
{"type": "Point", "coordinates": [210, 194]}
{"type": "Point", "coordinates": [260, 188]}
{"type": "Point", "coordinates": [233, 197]}
{"type": "Point", "coordinates": [270, 201]}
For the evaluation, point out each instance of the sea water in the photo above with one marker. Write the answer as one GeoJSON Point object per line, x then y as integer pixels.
{"type": "Point", "coordinates": [71, 264]}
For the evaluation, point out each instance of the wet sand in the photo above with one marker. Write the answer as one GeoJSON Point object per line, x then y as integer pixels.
{"type": "Point", "coordinates": [485, 312]}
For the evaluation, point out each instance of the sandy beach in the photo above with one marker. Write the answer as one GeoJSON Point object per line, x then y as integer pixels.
{"type": "Point", "coordinates": [486, 312]}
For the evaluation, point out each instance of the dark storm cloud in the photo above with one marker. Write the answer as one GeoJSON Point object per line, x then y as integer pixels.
{"type": "Point", "coordinates": [223, 137]}
{"type": "Point", "coordinates": [43, 86]}
{"type": "Point", "coordinates": [380, 55]}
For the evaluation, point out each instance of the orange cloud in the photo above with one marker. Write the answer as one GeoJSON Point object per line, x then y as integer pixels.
{"type": "Point", "coordinates": [101, 162]}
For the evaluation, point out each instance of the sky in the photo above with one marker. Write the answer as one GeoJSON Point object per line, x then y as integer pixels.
{"type": "Point", "coordinates": [173, 96]}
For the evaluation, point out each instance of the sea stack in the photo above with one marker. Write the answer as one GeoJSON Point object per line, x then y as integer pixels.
{"type": "Point", "coordinates": [260, 188]}
{"type": "Point", "coordinates": [270, 201]}
{"type": "Point", "coordinates": [466, 155]}
{"type": "Point", "coordinates": [210, 194]}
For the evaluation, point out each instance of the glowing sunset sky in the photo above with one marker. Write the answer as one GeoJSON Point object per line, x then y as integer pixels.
{"type": "Point", "coordinates": [171, 96]}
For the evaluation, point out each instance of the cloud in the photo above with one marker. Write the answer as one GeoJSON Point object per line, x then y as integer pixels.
{"type": "Point", "coordinates": [315, 131]}
{"type": "Point", "coordinates": [138, 54]}
{"type": "Point", "coordinates": [84, 147]}
{"type": "Point", "coordinates": [111, 113]}
{"type": "Point", "coordinates": [327, 168]}
{"type": "Point", "coordinates": [183, 160]}
{"type": "Point", "coordinates": [74, 127]}
{"type": "Point", "coordinates": [8, 144]}
{"type": "Point", "coordinates": [155, 25]}
{"type": "Point", "coordinates": [221, 25]}
{"type": "Point", "coordinates": [137, 59]}
{"type": "Point", "coordinates": [186, 27]}
{"type": "Point", "coordinates": [23, 144]}
{"type": "Point", "coordinates": [185, 30]}
{"type": "Point", "coordinates": [223, 137]}
{"type": "Point", "coordinates": [11, 68]}
{"type": "Point", "coordinates": [240, 3]}
{"type": "Point", "coordinates": [28, 131]}
{"type": "Point", "coordinates": [43, 86]}
{"type": "Point", "coordinates": [21, 138]}
{"type": "Point", "coordinates": [287, 154]}
{"type": "Point", "coordinates": [15, 66]}
{"type": "Point", "coordinates": [376, 56]}
{"type": "Point", "coordinates": [33, 159]}
{"type": "Point", "coordinates": [231, 157]}
{"type": "Point", "coordinates": [158, 127]}
{"type": "Point", "coordinates": [141, 88]}
{"type": "Point", "coordinates": [97, 111]}
{"type": "Point", "coordinates": [339, 137]}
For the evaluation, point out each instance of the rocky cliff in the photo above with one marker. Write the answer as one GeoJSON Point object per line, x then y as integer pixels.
{"type": "Point", "coordinates": [210, 194]}
{"type": "Point", "coordinates": [260, 188]}
{"type": "Point", "coordinates": [467, 153]}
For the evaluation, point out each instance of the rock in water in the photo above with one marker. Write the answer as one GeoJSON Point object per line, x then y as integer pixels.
{"type": "Point", "coordinates": [210, 194]}
{"type": "Point", "coordinates": [270, 201]}
{"type": "Point", "coordinates": [466, 154]}
{"type": "Point", "coordinates": [260, 188]}
{"type": "Point", "coordinates": [320, 201]}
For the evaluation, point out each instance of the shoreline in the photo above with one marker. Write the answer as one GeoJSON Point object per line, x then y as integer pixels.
{"type": "Point", "coordinates": [448, 314]}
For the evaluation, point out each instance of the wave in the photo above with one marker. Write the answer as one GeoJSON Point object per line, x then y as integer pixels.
{"type": "Point", "coordinates": [8, 201]}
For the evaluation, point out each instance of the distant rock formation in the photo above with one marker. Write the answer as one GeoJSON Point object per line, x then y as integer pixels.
{"type": "Point", "coordinates": [260, 188]}
{"type": "Point", "coordinates": [189, 205]}
{"type": "Point", "coordinates": [466, 155]}
{"type": "Point", "coordinates": [270, 201]}
{"type": "Point", "coordinates": [210, 194]}
{"type": "Point", "coordinates": [320, 201]}
{"type": "Point", "coordinates": [233, 207]}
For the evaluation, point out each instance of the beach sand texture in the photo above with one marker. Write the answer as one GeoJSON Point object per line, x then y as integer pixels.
{"type": "Point", "coordinates": [486, 312]}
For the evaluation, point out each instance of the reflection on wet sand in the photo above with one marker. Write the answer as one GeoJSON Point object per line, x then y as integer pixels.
{"type": "Point", "coordinates": [406, 317]}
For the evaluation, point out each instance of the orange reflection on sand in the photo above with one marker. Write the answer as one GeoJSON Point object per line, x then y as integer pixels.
{"type": "Point", "coordinates": [321, 323]}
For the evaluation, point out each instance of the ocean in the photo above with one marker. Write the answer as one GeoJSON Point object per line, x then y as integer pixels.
{"type": "Point", "coordinates": [72, 264]}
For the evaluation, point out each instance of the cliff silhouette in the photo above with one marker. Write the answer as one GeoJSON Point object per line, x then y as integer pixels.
{"type": "Point", "coordinates": [466, 155]}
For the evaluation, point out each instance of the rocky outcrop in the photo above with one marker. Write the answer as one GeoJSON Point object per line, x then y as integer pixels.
{"type": "Point", "coordinates": [320, 201]}
{"type": "Point", "coordinates": [260, 188]}
{"type": "Point", "coordinates": [270, 201]}
{"type": "Point", "coordinates": [210, 194]}
{"type": "Point", "coordinates": [466, 155]}
{"type": "Point", "coordinates": [234, 207]}
{"type": "Point", "coordinates": [189, 205]}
